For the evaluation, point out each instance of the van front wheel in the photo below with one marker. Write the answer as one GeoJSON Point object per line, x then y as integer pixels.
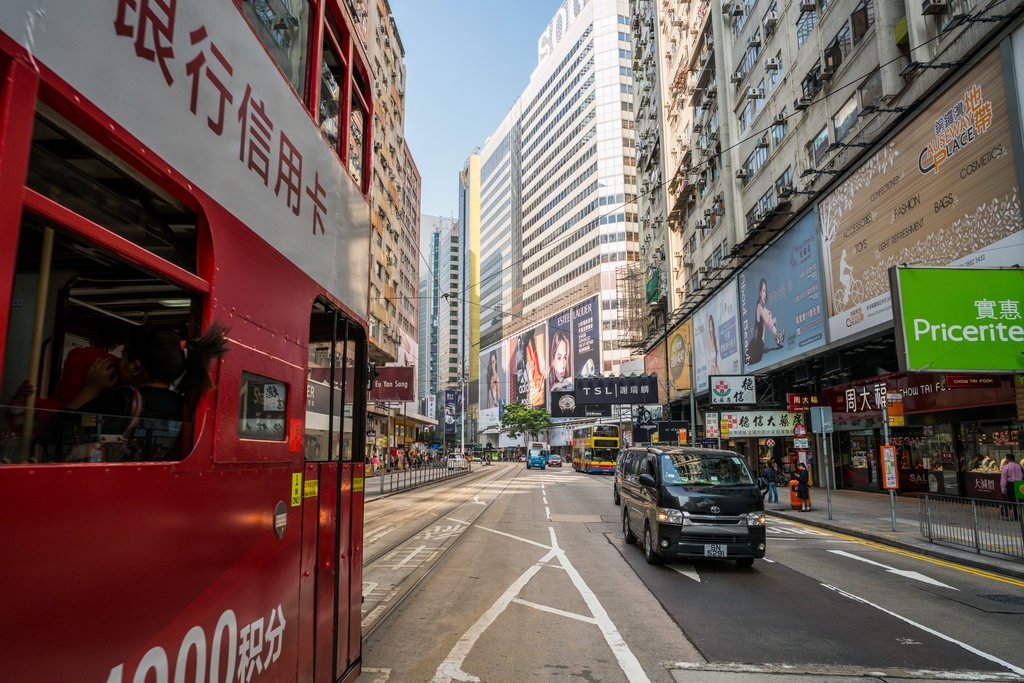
{"type": "Point", "coordinates": [650, 550]}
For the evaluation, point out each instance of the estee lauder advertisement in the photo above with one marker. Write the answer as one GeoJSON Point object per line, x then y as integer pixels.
{"type": "Point", "coordinates": [942, 192]}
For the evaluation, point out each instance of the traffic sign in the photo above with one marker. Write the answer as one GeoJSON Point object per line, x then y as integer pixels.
{"type": "Point", "coordinates": [821, 420]}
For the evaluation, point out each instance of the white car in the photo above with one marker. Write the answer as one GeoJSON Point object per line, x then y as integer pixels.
{"type": "Point", "coordinates": [457, 462]}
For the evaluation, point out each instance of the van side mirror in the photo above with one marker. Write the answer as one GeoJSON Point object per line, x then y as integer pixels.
{"type": "Point", "coordinates": [647, 480]}
{"type": "Point", "coordinates": [762, 484]}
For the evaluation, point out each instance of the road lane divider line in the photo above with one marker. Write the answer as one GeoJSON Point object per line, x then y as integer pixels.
{"type": "Point", "coordinates": [518, 538]}
{"type": "Point", "coordinates": [970, 648]}
{"type": "Point", "coordinates": [924, 558]}
{"type": "Point", "coordinates": [555, 610]}
{"type": "Point", "coordinates": [628, 662]}
{"type": "Point", "coordinates": [451, 668]}
{"type": "Point", "coordinates": [547, 514]}
{"type": "Point", "coordinates": [914, 576]}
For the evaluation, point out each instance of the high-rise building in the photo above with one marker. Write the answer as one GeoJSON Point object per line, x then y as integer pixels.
{"type": "Point", "coordinates": [469, 291]}
{"type": "Point", "coordinates": [449, 260]}
{"type": "Point", "coordinates": [557, 209]}
{"type": "Point", "coordinates": [387, 56]}
{"type": "Point", "coordinates": [430, 291]}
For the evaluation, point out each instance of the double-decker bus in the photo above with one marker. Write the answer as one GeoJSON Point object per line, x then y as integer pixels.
{"type": "Point", "coordinates": [595, 449]}
{"type": "Point", "coordinates": [181, 164]}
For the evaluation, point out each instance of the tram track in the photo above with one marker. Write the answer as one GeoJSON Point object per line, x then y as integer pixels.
{"type": "Point", "coordinates": [479, 485]}
{"type": "Point", "coordinates": [407, 586]}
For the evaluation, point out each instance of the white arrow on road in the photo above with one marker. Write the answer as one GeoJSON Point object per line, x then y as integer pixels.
{"type": "Point", "coordinates": [899, 572]}
{"type": "Point", "coordinates": [687, 570]}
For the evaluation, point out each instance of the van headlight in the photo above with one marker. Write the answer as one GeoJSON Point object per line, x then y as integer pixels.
{"type": "Point", "coordinates": [669, 516]}
{"type": "Point", "coordinates": [755, 519]}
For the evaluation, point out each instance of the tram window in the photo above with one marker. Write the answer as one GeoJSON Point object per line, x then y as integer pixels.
{"type": "Point", "coordinates": [283, 27]}
{"type": "Point", "coordinates": [91, 302]}
{"type": "Point", "coordinates": [71, 168]}
{"type": "Point", "coordinates": [262, 404]}
{"type": "Point", "coordinates": [356, 141]}
{"type": "Point", "coordinates": [330, 386]}
{"type": "Point", "coordinates": [332, 76]}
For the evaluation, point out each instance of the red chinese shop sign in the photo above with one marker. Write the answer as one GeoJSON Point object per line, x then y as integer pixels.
{"type": "Point", "coordinates": [922, 393]}
{"type": "Point", "coordinates": [802, 403]}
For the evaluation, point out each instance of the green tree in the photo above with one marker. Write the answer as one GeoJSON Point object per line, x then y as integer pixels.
{"type": "Point", "coordinates": [519, 419]}
{"type": "Point", "coordinates": [429, 437]}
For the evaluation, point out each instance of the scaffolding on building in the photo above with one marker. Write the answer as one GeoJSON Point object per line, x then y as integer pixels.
{"type": "Point", "coordinates": [631, 291]}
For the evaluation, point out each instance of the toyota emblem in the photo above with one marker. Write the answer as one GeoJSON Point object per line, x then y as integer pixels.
{"type": "Point", "coordinates": [715, 509]}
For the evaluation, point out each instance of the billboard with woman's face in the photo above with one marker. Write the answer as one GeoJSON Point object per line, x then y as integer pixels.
{"type": "Point", "coordinates": [526, 364]}
{"type": "Point", "coordinates": [493, 383]}
{"type": "Point", "coordinates": [716, 340]}
{"type": "Point", "coordinates": [560, 366]}
{"type": "Point", "coordinates": [781, 299]}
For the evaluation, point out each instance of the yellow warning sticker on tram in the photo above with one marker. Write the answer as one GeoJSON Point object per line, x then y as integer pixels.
{"type": "Point", "coordinates": [311, 488]}
{"type": "Point", "coordinates": [357, 484]}
{"type": "Point", "coordinates": [297, 489]}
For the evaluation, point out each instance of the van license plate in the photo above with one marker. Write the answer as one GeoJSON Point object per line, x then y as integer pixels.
{"type": "Point", "coordinates": [714, 550]}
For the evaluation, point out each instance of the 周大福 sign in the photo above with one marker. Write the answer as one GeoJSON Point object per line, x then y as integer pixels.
{"type": "Point", "coordinates": [616, 390]}
{"type": "Point", "coordinates": [942, 191]}
{"type": "Point", "coordinates": [959, 319]}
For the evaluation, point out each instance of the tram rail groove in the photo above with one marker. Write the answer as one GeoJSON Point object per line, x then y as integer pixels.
{"type": "Point", "coordinates": [481, 483]}
{"type": "Point", "coordinates": [386, 615]}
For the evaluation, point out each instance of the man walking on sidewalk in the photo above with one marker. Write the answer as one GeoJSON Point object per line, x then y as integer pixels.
{"type": "Point", "coordinates": [1011, 472]}
{"type": "Point", "coordinates": [771, 475]}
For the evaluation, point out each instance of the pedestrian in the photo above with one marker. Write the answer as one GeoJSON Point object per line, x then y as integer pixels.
{"type": "Point", "coordinates": [771, 475]}
{"type": "Point", "coordinates": [1010, 473]}
{"type": "Point", "coordinates": [376, 462]}
{"type": "Point", "coordinates": [802, 491]}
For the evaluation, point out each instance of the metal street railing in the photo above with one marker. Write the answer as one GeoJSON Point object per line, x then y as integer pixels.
{"type": "Point", "coordinates": [984, 525]}
{"type": "Point", "coordinates": [391, 481]}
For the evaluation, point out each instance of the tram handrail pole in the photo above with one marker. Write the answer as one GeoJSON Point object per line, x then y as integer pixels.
{"type": "Point", "coordinates": [35, 357]}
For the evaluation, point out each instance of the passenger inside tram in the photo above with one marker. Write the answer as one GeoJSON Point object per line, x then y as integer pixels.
{"type": "Point", "coordinates": [77, 307]}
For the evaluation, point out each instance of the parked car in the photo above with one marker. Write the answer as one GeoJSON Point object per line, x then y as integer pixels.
{"type": "Point", "coordinates": [691, 503]}
{"type": "Point", "coordinates": [554, 461]}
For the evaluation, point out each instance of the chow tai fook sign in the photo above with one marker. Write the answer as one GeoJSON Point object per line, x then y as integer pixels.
{"type": "Point", "coordinates": [959, 319]}
{"type": "Point", "coordinates": [802, 402]}
{"type": "Point", "coordinates": [617, 390]}
{"type": "Point", "coordinates": [942, 192]}
{"type": "Point", "coordinates": [921, 393]}
{"type": "Point", "coordinates": [753, 423]}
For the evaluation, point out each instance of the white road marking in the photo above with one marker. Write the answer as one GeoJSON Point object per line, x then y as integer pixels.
{"type": "Point", "coordinates": [377, 534]}
{"type": "Point", "coordinates": [451, 668]}
{"type": "Point", "coordinates": [368, 587]}
{"type": "Point", "coordinates": [547, 514]}
{"type": "Point", "coordinates": [767, 560]}
{"type": "Point", "coordinates": [553, 610]}
{"type": "Point", "coordinates": [476, 501]}
{"type": "Point", "coordinates": [518, 538]}
{"type": "Point", "coordinates": [382, 675]}
{"type": "Point", "coordinates": [545, 500]}
{"type": "Point", "coordinates": [892, 570]}
{"type": "Point", "coordinates": [687, 570]}
{"type": "Point", "coordinates": [970, 648]}
{"type": "Point", "coordinates": [408, 557]}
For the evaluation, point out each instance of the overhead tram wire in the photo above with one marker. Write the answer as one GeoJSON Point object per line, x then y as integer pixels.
{"type": "Point", "coordinates": [754, 134]}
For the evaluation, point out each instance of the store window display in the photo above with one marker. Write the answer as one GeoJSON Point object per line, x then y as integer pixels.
{"type": "Point", "coordinates": [857, 453]}
{"type": "Point", "coordinates": [920, 450]}
{"type": "Point", "coordinates": [984, 448]}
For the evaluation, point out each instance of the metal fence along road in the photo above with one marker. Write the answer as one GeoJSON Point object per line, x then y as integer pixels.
{"type": "Point", "coordinates": [382, 482]}
{"type": "Point", "coordinates": [983, 525]}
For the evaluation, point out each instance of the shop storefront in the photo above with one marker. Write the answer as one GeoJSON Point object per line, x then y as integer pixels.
{"type": "Point", "coordinates": [767, 436]}
{"type": "Point", "coordinates": [952, 440]}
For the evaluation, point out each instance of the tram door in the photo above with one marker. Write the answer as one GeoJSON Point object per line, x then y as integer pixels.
{"type": "Point", "coordinates": [324, 594]}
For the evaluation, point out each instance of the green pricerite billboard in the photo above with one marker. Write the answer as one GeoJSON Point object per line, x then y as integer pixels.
{"type": "Point", "coordinates": [959, 319]}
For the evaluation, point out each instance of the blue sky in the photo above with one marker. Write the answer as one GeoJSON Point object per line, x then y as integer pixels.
{"type": "Point", "coordinates": [466, 63]}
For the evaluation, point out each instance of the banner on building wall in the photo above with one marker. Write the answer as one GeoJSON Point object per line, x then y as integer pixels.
{"type": "Point", "coordinates": [586, 338]}
{"type": "Point", "coordinates": [564, 404]}
{"type": "Point", "coordinates": [560, 355]}
{"type": "Point", "coordinates": [526, 364]}
{"type": "Point", "coordinates": [655, 365]}
{"type": "Point", "coordinates": [759, 423]}
{"type": "Point", "coordinates": [942, 192]}
{"type": "Point", "coordinates": [680, 356]}
{"type": "Point", "coordinates": [493, 378]}
{"type": "Point", "coordinates": [408, 355]}
{"type": "Point", "coordinates": [393, 384]}
{"type": "Point", "coordinates": [716, 341]}
{"type": "Point", "coordinates": [645, 423]}
{"type": "Point", "coordinates": [452, 399]}
{"type": "Point", "coordinates": [781, 299]}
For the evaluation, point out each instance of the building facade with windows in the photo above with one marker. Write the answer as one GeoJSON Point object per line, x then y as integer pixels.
{"type": "Point", "coordinates": [827, 145]}
{"type": "Point", "coordinates": [557, 204]}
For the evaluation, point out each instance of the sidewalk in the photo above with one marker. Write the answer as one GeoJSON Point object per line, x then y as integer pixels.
{"type": "Point", "coordinates": [868, 516]}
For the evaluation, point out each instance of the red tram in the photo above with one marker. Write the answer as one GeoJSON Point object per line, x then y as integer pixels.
{"type": "Point", "coordinates": [179, 162]}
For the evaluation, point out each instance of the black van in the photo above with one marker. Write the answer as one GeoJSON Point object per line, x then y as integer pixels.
{"type": "Point", "coordinates": [691, 503]}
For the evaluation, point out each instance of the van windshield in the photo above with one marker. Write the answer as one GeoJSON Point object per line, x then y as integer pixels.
{"type": "Point", "coordinates": [707, 470]}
